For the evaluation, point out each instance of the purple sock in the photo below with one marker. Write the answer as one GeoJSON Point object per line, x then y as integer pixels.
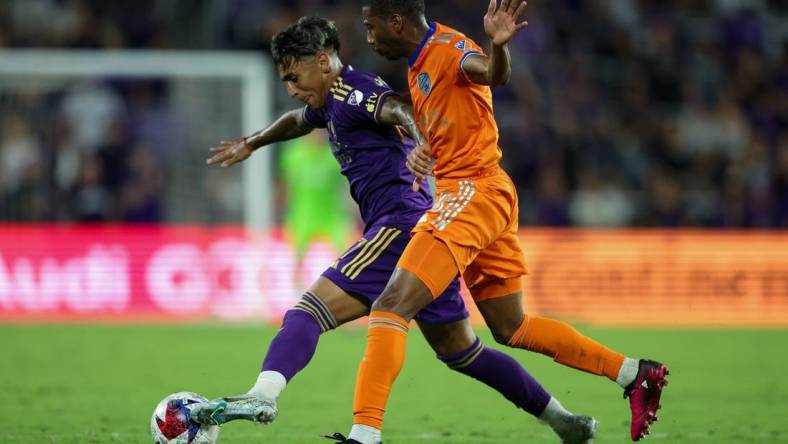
{"type": "Point", "coordinates": [295, 344]}
{"type": "Point", "coordinates": [501, 372]}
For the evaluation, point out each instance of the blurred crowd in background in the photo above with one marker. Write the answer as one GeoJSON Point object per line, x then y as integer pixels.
{"type": "Point", "coordinates": [619, 112]}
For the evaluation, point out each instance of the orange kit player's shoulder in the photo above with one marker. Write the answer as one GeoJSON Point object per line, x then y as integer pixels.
{"type": "Point", "coordinates": [447, 47]}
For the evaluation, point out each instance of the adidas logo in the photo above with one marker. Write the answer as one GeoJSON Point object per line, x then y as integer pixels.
{"type": "Point", "coordinates": [644, 384]}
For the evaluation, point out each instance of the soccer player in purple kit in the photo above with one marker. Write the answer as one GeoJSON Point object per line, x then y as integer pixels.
{"type": "Point", "coordinates": [364, 118]}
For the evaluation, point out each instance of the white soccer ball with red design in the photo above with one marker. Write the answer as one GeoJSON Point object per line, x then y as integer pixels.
{"type": "Point", "coordinates": [171, 423]}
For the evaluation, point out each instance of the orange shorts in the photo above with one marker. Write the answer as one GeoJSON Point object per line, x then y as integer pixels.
{"type": "Point", "coordinates": [471, 230]}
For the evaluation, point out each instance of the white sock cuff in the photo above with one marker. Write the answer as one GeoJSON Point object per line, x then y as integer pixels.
{"type": "Point", "coordinates": [628, 372]}
{"type": "Point", "coordinates": [270, 384]}
{"type": "Point", "coordinates": [365, 434]}
{"type": "Point", "coordinates": [553, 411]}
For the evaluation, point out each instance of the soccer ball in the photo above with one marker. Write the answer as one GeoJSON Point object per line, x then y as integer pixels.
{"type": "Point", "coordinates": [171, 424]}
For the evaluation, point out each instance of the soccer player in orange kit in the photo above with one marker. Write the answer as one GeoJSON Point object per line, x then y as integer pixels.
{"type": "Point", "coordinates": [472, 228]}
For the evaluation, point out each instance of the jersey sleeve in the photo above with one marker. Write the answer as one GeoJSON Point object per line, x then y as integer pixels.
{"type": "Point", "coordinates": [454, 53]}
{"type": "Point", "coordinates": [364, 101]}
{"type": "Point", "coordinates": [314, 117]}
{"type": "Point", "coordinates": [474, 50]}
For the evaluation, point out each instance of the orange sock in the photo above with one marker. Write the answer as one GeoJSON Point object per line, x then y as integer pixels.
{"type": "Point", "coordinates": [383, 359]}
{"type": "Point", "coordinates": [567, 346]}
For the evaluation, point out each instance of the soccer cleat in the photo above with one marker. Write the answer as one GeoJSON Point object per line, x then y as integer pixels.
{"type": "Point", "coordinates": [644, 393]}
{"type": "Point", "coordinates": [247, 407]}
{"type": "Point", "coordinates": [340, 438]}
{"type": "Point", "coordinates": [577, 429]}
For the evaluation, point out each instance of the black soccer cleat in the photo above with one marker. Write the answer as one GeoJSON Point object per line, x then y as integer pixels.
{"type": "Point", "coordinates": [341, 439]}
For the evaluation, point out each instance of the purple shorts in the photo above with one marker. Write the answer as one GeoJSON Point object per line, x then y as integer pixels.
{"type": "Point", "coordinates": [365, 268]}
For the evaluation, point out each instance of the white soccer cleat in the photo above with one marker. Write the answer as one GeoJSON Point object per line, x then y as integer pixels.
{"type": "Point", "coordinates": [246, 407]}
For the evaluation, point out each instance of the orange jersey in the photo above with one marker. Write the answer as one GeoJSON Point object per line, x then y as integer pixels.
{"type": "Point", "coordinates": [453, 113]}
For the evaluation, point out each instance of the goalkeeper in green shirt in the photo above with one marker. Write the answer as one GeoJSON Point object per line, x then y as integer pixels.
{"type": "Point", "coordinates": [316, 194]}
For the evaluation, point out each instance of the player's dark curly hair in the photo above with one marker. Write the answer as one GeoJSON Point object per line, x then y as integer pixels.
{"type": "Point", "coordinates": [306, 37]}
{"type": "Point", "coordinates": [412, 9]}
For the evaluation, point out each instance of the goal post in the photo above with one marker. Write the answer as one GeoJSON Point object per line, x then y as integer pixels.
{"type": "Point", "coordinates": [252, 71]}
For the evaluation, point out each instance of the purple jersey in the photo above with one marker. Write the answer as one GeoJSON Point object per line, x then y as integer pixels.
{"type": "Point", "coordinates": [371, 154]}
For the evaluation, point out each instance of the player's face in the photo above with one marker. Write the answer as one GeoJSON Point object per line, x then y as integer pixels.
{"type": "Point", "coordinates": [382, 34]}
{"type": "Point", "coordinates": [307, 79]}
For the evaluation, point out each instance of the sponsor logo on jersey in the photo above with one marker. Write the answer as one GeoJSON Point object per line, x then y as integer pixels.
{"type": "Point", "coordinates": [372, 102]}
{"type": "Point", "coordinates": [355, 98]}
{"type": "Point", "coordinates": [460, 45]}
{"type": "Point", "coordinates": [425, 83]}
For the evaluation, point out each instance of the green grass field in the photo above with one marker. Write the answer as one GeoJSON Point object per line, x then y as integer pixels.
{"type": "Point", "coordinates": [99, 384]}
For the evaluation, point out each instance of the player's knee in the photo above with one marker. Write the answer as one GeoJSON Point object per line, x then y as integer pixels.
{"type": "Point", "coordinates": [501, 338]}
{"type": "Point", "coordinates": [459, 360]}
{"type": "Point", "coordinates": [453, 346]}
{"type": "Point", "coordinates": [385, 302]}
{"type": "Point", "coordinates": [448, 338]}
{"type": "Point", "coordinates": [404, 296]}
{"type": "Point", "coordinates": [311, 308]}
{"type": "Point", "coordinates": [503, 332]}
{"type": "Point", "coordinates": [392, 301]}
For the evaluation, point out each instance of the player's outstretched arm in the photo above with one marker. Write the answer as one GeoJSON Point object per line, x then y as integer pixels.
{"type": "Point", "coordinates": [289, 126]}
{"type": "Point", "coordinates": [500, 24]}
{"type": "Point", "coordinates": [397, 110]}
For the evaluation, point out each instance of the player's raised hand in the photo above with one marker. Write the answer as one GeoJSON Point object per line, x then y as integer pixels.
{"type": "Point", "coordinates": [500, 22]}
{"type": "Point", "coordinates": [420, 163]}
{"type": "Point", "coordinates": [230, 152]}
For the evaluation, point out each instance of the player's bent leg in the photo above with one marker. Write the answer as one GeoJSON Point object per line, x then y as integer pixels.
{"type": "Point", "coordinates": [403, 297]}
{"type": "Point", "coordinates": [559, 340]}
{"type": "Point", "coordinates": [322, 308]}
{"type": "Point", "coordinates": [425, 269]}
{"type": "Point", "coordinates": [461, 350]}
{"type": "Point", "coordinates": [562, 342]}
